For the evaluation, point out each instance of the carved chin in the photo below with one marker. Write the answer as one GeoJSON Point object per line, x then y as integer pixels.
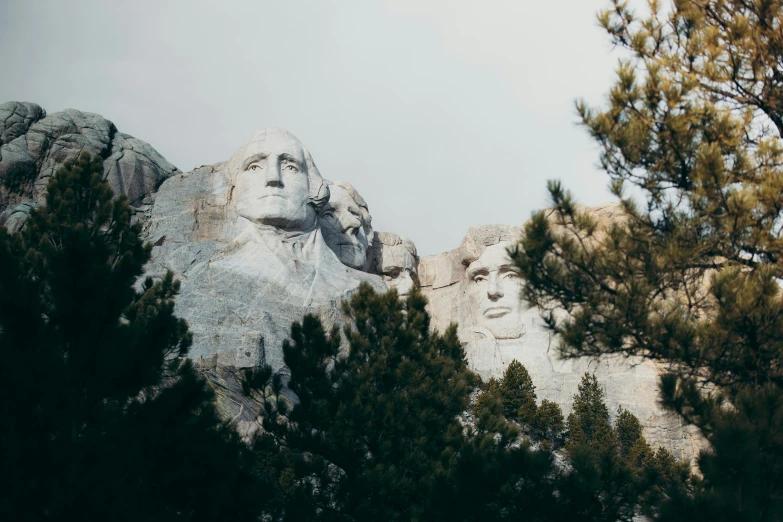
{"type": "Point", "coordinates": [352, 257]}
{"type": "Point", "coordinates": [349, 254]}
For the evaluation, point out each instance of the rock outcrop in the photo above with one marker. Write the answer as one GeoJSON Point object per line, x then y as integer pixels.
{"type": "Point", "coordinates": [245, 240]}
{"type": "Point", "coordinates": [262, 239]}
{"type": "Point", "coordinates": [33, 146]}
{"type": "Point", "coordinates": [476, 286]}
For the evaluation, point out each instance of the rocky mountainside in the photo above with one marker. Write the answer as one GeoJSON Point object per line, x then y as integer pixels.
{"type": "Point", "coordinates": [33, 145]}
{"type": "Point", "coordinates": [263, 238]}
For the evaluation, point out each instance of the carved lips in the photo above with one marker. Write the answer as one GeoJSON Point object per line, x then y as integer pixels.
{"type": "Point", "coordinates": [494, 312]}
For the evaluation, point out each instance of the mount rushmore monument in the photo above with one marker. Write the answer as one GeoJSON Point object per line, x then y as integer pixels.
{"type": "Point", "coordinates": [264, 238]}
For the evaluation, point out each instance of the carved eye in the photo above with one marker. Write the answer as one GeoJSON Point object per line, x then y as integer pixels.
{"type": "Point", "coordinates": [253, 167]}
{"type": "Point", "coordinates": [479, 278]}
{"type": "Point", "coordinates": [510, 275]}
{"type": "Point", "coordinates": [292, 168]}
{"type": "Point", "coordinates": [328, 214]}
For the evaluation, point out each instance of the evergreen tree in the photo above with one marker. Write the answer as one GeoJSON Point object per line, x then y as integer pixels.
{"type": "Point", "coordinates": [518, 394]}
{"type": "Point", "coordinates": [549, 425]}
{"type": "Point", "coordinates": [615, 475]}
{"type": "Point", "coordinates": [632, 447]}
{"type": "Point", "coordinates": [599, 486]}
{"type": "Point", "coordinates": [379, 424]}
{"type": "Point", "coordinates": [101, 419]}
{"type": "Point", "coordinates": [495, 475]}
{"type": "Point", "coordinates": [376, 432]}
{"type": "Point", "coordinates": [490, 393]}
{"type": "Point", "coordinates": [588, 424]}
{"type": "Point", "coordinates": [689, 273]}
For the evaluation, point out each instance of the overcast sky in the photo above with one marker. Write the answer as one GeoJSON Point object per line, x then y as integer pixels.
{"type": "Point", "coordinates": [443, 114]}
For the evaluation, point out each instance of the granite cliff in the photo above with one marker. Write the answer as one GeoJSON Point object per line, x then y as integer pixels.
{"type": "Point", "coordinates": [263, 238]}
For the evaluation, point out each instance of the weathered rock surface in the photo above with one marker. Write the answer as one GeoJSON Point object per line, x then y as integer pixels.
{"type": "Point", "coordinates": [262, 239]}
{"type": "Point", "coordinates": [476, 286]}
{"type": "Point", "coordinates": [244, 239]}
{"type": "Point", "coordinates": [33, 146]}
{"type": "Point", "coordinates": [394, 258]}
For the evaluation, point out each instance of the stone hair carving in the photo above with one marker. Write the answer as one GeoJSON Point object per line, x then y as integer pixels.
{"type": "Point", "coordinates": [394, 258]}
{"type": "Point", "coordinates": [347, 225]}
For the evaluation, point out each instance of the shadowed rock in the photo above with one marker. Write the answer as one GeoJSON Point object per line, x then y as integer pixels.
{"type": "Point", "coordinates": [33, 146]}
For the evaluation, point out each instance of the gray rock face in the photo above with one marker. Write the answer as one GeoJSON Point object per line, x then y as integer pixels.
{"type": "Point", "coordinates": [394, 258]}
{"type": "Point", "coordinates": [245, 240]}
{"type": "Point", "coordinates": [476, 286]}
{"type": "Point", "coordinates": [261, 240]}
{"type": "Point", "coordinates": [16, 118]}
{"type": "Point", "coordinates": [33, 146]}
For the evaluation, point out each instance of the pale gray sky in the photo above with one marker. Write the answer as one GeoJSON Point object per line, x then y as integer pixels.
{"type": "Point", "coordinates": [444, 114]}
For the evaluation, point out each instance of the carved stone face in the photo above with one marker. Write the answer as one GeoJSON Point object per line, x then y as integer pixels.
{"type": "Point", "coordinates": [344, 229]}
{"type": "Point", "coordinates": [494, 292]}
{"type": "Point", "coordinates": [273, 185]}
{"type": "Point", "coordinates": [398, 267]}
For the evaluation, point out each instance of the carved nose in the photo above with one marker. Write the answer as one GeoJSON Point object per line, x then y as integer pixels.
{"type": "Point", "coordinates": [351, 225]}
{"type": "Point", "coordinates": [274, 178]}
{"type": "Point", "coordinates": [495, 289]}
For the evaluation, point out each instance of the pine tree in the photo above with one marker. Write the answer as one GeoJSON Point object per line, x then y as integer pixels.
{"type": "Point", "coordinates": [490, 392]}
{"type": "Point", "coordinates": [632, 447]}
{"type": "Point", "coordinates": [688, 274]}
{"type": "Point", "coordinates": [101, 419]}
{"type": "Point", "coordinates": [549, 425]}
{"type": "Point", "coordinates": [610, 478]}
{"type": "Point", "coordinates": [657, 472]}
{"type": "Point", "coordinates": [588, 424]}
{"type": "Point", "coordinates": [518, 394]}
{"type": "Point", "coordinates": [379, 423]}
{"type": "Point", "coordinates": [376, 431]}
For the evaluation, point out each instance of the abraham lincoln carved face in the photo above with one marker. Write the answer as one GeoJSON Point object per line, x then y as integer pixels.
{"type": "Point", "coordinates": [494, 289]}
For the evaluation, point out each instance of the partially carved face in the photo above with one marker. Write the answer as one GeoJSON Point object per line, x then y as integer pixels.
{"type": "Point", "coordinates": [494, 292]}
{"type": "Point", "coordinates": [273, 186]}
{"type": "Point", "coordinates": [398, 267]}
{"type": "Point", "coordinates": [344, 228]}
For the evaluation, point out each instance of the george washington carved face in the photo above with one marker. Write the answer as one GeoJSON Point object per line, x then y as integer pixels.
{"type": "Point", "coordinates": [274, 183]}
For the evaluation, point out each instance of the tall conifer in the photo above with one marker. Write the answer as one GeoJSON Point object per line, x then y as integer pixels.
{"type": "Point", "coordinates": [688, 273]}
{"type": "Point", "coordinates": [518, 394]}
{"type": "Point", "coordinates": [101, 419]}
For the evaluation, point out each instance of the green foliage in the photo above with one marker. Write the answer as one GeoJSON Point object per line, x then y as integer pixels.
{"type": "Point", "coordinates": [490, 393]}
{"type": "Point", "coordinates": [588, 424]}
{"type": "Point", "coordinates": [631, 445]}
{"type": "Point", "coordinates": [687, 271]}
{"type": "Point", "coordinates": [518, 394]}
{"type": "Point", "coordinates": [376, 433]}
{"type": "Point", "coordinates": [378, 423]}
{"type": "Point", "coordinates": [101, 419]}
{"type": "Point", "coordinates": [548, 424]}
